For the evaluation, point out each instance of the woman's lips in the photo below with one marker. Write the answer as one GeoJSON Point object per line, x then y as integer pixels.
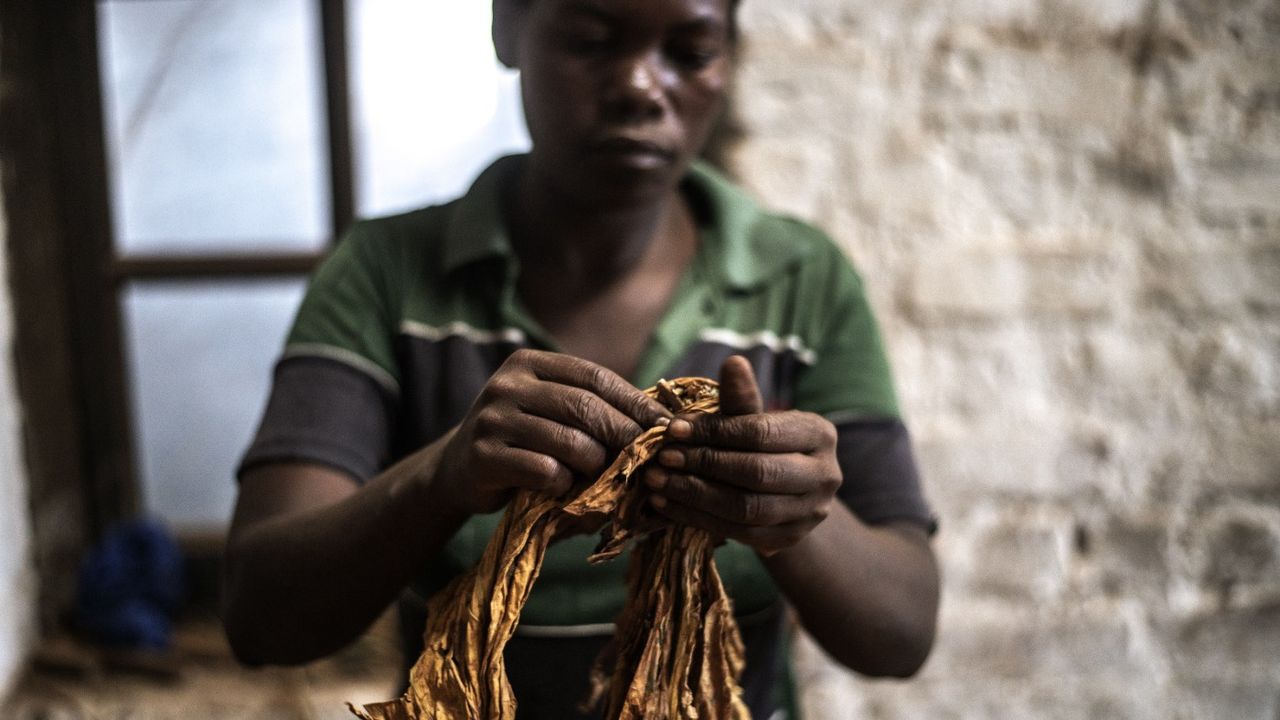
{"type": "Point", "coordinates": [634, 152]}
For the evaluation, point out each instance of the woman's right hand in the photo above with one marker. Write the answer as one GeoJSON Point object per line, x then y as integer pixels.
{"type": "Point", "coordinates": [543, 421]}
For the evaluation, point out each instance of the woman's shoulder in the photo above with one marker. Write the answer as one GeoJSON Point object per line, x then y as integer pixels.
{"type": "Point", "coordinates": [402, 231]}
{"type": "Point", "coordinates": [443, 236]}
{"type": "Point", "coordinates": [767, 240]}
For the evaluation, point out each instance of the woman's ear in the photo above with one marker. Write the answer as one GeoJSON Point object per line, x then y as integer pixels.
{"type": "Point", "coordinates": [508, 17]}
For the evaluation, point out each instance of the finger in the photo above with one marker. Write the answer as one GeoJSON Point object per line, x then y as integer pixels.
{"type": "Point", "coordinates": [745, 509]}
{"type": "Point", "coordinates": [518, 467]}
{"type": "Point", "coordinates": [778, 473]}
{"type": "Point", "coordinates": [569, 445]}
{"type": "Point", "coordinates": [581, 409]}
{"type": "Point", "coordinates": [779, 432]}
{"type": "Point", "coordinates": [766, 540]}
{"type": "Point", "coordinates": [603, 382]}
{"type": "Point", "coordinates": [739, 393]}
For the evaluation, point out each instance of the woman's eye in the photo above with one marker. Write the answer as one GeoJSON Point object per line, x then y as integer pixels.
{"type": "Point", "coordinates": [588, 43]}
{"type": "Point", "coordinates": [694, 58]}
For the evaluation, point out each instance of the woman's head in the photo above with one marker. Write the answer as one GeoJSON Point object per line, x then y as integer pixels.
{"type": "Point", "coordinates": [619, 95]}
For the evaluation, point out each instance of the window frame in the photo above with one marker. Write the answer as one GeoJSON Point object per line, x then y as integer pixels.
{"type": "Point", "coordinates": [67, 280]}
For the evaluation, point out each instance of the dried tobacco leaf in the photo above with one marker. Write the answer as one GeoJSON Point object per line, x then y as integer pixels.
{"type": "Point", "coordinates": [677, 653]}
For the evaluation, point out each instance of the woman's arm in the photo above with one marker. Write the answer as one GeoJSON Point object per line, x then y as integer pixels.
{"type": "Point", "coordinates": [868, 594]}
{"type": "Point", "coordinates": [313, 558]}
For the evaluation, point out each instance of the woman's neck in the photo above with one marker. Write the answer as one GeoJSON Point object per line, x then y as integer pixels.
{"type": "Point", "coordinates": [598, 279]}
{"type": "Point", "coordinates": [587, 245]}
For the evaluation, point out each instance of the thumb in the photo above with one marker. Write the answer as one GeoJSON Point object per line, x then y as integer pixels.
{"type": "Point", "coordinates": [739, 394]}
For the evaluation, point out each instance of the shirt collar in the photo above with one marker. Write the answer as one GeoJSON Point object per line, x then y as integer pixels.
{"type": "Point", "coordinates": [738, 246]}
{"type": "Point", "coordinates": [476, 229]}
{"type": "Point", "coordinates": [743, 246]}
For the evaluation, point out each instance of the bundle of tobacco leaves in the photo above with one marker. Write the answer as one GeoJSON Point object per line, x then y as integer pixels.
{"type": "Point", "coordinates": [677, 653]}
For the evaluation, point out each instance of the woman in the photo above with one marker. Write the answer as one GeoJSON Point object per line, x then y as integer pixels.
{"type": "Point", "coordinates": [445, 357]}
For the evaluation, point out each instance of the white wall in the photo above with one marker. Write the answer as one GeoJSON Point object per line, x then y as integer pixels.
{"type": "Point", "coordinates": [1068, 217]}
{"type": "Point", "coordinates": [17, 574]}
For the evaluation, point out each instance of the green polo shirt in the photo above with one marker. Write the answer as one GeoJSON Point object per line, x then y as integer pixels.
{"type": "Point", "coordinates": [410, 315]}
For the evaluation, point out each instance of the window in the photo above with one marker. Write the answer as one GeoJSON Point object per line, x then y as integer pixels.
{"type": "Point", "coordinates": [241, 136]}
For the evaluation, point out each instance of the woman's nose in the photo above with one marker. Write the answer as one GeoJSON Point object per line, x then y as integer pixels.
{"type": "Point", "coordinates": [643, 78]}
{"type": "Point", "coordinates": [639, 88]}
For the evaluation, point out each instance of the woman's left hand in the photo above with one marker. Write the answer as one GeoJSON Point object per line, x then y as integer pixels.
{"type": "Point", "coordinates": [763, 479]}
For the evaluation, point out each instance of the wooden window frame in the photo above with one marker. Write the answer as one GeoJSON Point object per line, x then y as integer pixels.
{"type": "Point", "coordinates": [66, 278]}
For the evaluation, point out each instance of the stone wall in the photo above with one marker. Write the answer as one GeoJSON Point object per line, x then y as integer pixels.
{"type": "Point", "coordinates": [17, 574]}
{"type": "Point", "coordinates": [1068, 216]}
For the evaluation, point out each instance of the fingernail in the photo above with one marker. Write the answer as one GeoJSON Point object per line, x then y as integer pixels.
{"type": "Point", "coordinates": [662, 421]}
{"type": "Point", "coordinates": [671, 458]}
{"type": "Point", "coordinates": [658, 501]}
{"type": "Point", "coordinates": [680, 429]}
{"type": "Point", "coordinates": [655, 479]}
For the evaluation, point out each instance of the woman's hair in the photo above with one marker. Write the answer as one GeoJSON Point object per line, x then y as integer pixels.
{"type": "Point", "coordinates": [503, 9]}
{"type": "Point", "coordinates": [732, 13]}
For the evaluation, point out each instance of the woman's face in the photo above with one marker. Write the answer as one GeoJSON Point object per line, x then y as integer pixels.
{"type": "Point", "coordinates": [619, 95]}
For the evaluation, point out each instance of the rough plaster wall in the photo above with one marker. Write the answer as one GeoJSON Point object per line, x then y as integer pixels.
{"type": "Point", "coordinates": [17, 575]}
{"type": "Point", "coordinates": [1068, 215]}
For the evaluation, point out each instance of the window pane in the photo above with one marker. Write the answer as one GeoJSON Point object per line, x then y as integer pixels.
{"type": "Point", "coordinates": [432, 105]}
{"type": "Point", "coordinates": [200, 357]}
{"type": "Point", "coordinates": [215, 125]}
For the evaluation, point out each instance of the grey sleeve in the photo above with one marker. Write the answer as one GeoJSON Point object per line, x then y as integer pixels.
{"type": "Point", "coordinates": [881, 483]}
{"type": "Point", "coordinates": [324, 411]}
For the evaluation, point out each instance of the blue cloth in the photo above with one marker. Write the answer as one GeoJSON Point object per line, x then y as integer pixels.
{"type": "Point", "coordinates": [130, 586]}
